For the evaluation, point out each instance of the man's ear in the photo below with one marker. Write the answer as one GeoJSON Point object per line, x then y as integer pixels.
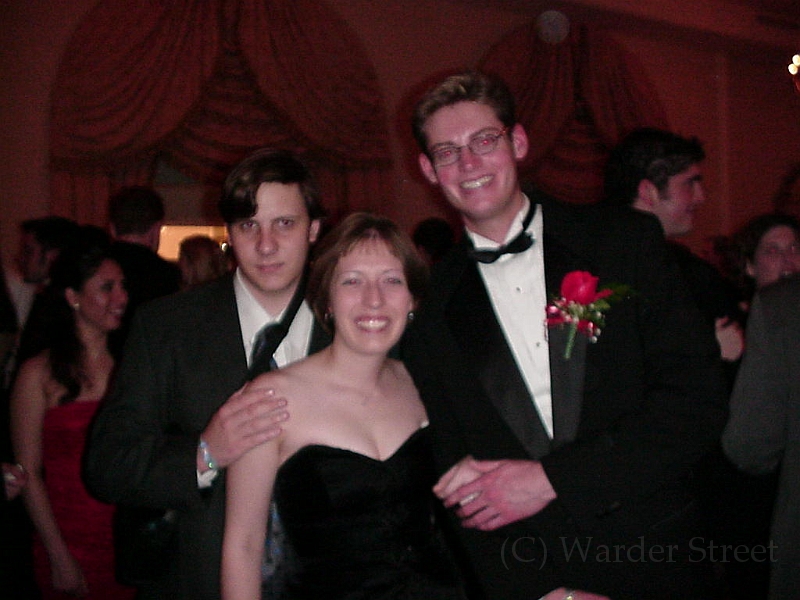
{"type": "Point", "coordinates": [228, 234]}
{"type": "Point", "coordinates": [426, 166]}
{"type": "Point", "coordinates": [313, 230]}
{"type": "Point", "coordinates": [647, 195]}
{"type": "Point", "coordinates": [154, 235]}
{"type": "Point", "coordinates": [519, 142]}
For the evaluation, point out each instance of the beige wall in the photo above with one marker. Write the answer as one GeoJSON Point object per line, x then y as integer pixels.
{"type": "Point", "coordinates": [722, 83]}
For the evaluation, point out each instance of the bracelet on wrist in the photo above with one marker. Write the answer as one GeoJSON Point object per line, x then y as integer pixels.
{"type": "Point", "coordinates": [207, 458]}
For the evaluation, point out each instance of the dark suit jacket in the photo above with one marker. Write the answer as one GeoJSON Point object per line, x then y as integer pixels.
{"type": "Point", "coordinates": [147, 276]}
{"type": "Point", "coordinates": [632, 413]}
{"type": "Point", "coordinates": [183, 358]}
{"type": "Point", "coordinates": [764, 428]}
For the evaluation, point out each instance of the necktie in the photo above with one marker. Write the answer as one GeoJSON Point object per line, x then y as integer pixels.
{"type": "Point", "coordinates": [264, 346]}
{"type": "Point", "coordinates": [520, 243]}
{"type": "Point", "coordinates": [271, 336]}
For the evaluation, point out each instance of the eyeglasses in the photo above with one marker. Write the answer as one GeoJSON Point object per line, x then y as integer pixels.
{"type": "Point", "coordinates": [481, 144]}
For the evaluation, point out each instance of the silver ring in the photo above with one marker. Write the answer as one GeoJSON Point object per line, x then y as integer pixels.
{"type": "Point", "coordinates": [467, 499]}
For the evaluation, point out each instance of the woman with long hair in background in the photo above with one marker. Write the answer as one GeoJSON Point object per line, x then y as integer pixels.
{"type": "Point", "coordinates": [54, 398]}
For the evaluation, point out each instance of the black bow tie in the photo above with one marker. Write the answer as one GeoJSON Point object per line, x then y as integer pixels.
{"type": "Point", "coordinates": [522, 242]}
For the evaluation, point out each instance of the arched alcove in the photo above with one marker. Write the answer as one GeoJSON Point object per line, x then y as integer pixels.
{"type": "Point", "coordinates": [197, 84]}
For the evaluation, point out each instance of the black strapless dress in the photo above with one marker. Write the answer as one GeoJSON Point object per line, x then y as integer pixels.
{"type": "Point", "coordinates": [360, 528]}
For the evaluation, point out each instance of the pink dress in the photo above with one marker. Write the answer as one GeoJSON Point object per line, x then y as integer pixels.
{"type": "Point", "coordinates": [85, 523]}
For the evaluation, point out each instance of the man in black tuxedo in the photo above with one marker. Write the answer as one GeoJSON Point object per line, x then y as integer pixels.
{"type": "Point", "coordinates": [661, 173]}
{"type": "Point", "coordinates": [571, 471]}
{"type": "Point", "coordinates": [178, 414]}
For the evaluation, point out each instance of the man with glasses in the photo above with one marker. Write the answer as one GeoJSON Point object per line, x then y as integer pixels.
{"type": "Point", "coordinates": [566, 463]}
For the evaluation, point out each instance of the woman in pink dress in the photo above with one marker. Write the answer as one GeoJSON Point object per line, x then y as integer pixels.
{"type": "Point", "coordinates": [54, 398]}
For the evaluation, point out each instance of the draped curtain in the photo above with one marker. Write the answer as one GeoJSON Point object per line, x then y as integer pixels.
{"type": "Point", "coordinates": [576, 99]}
{"type": "Point", "coordinates": [199, 84]}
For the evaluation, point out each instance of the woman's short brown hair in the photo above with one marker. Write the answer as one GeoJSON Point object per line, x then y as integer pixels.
{"type": "Point", "coordinates": [354, 229]}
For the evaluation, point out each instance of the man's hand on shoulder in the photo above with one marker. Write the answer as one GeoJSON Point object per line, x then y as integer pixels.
{"type": "Point", "coordinates": [488, 494]}
{"type": "Point", "coordinates": [250, 417]}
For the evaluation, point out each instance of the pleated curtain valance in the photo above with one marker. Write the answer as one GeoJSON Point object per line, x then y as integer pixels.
{"type": "Point", "coordinates": [576, 100]}
{"type": "Point", "coordinates": [200, 83]}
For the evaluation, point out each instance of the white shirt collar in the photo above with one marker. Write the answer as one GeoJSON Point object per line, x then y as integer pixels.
{"type": "Point", "coordinates": [481, 242]}
{"type": "Point", "coordinates": [252, 316]}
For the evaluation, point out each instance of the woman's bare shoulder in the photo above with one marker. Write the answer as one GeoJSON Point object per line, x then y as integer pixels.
{"type": "Point", "coordinates": [34, 380]}
{"type": "Point", "coordinates": [34, 373]}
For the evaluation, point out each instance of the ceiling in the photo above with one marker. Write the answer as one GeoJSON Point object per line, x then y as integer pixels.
{"type": "Point", "coordinates": [787, 8]}
{"type": "Point", "coordinates": [774, 23]}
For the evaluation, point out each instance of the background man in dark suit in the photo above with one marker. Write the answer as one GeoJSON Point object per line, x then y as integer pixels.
{"type": "Point", "coordinates": [136, 215]}
{"type": "Point", "coordinates": [763, 433]}
{"type": "Point", "coordinates": [175, 419]}
{"type": "Point", "coordinates": [576, 470]}
{"type": "Point", "coordinates": [660, 172]}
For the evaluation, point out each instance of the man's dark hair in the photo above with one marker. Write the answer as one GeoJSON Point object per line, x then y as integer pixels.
{"type": "Point", "coordinates": [52, 233]}
{"type": "Point", "coordinates": [435, 235]}
{"type": "Point", "coordinates": [268, 165]}
{"type": "Point", "coordinates": [470, 86]}
{"type": "Point", "coordinates": [135, 209]}
{"type": "Point", "coordinates": [651, 154]}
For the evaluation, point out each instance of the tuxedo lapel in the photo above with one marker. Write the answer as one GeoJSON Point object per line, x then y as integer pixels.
{"type": "Point", "coordinates": [566, 384]}
{"type": "Point", "coordinates": [219, 338]}
{"type": "Point", "coordinates": [472, 320]}
{"type": "Point", "coordinates": [486, 352]}
{"type": "Point", "coordinates": [561, 256]}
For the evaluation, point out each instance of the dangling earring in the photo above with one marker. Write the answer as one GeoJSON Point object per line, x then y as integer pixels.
{"type": "Point", "coordinates": [410, 316]}
{"type": "Point", "coordinates": [328, 318]}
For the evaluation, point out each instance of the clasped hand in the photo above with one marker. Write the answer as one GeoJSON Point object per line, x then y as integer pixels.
{"type": "Point", "coordinates": [488, 494]}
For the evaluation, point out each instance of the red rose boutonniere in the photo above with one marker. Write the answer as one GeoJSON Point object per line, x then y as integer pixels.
{"type": "Point", "coordinates": [581, 306]}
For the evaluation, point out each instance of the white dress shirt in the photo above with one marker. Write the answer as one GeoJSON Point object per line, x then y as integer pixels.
{"type": "Point", "coordinates": [253, 317]}
{"type": "Point", "coordinates": [516, 286]}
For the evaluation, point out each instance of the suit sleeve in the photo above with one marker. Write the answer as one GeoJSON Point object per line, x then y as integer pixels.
{"type": "Point", "coordinates": [755, 435]}
{"type": "Point", "coordinates": [134, 455]}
